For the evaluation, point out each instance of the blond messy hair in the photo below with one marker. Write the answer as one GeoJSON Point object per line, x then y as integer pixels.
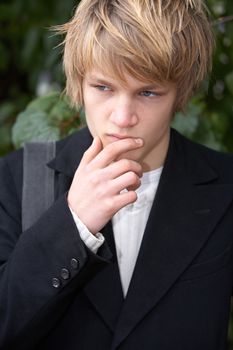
{"type": "Point", "coordinates": [152, 40]}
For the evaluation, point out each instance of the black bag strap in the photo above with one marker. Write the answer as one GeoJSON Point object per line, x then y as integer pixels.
{"type": "Point", "coordinates": [38, 181]}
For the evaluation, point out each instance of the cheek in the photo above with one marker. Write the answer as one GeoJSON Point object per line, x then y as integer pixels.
{"type": "Point", "coordinates": [95, 125]}
{"type": "Point", "coordinates": [96, 118]}
{"type": "Point", "coordinates": [156, 126]}
{"type": "Point", "coordinates": [90, 120]}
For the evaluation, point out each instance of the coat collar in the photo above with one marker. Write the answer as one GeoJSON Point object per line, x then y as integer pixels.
{"type": "Point", "coordinates": [70, 152]}
{"type": "Point", "coordinates": [185, 212]}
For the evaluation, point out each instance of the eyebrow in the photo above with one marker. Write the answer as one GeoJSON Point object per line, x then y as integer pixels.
{"type": "Point", "coordinates": [99, 80]}
{"type": "Point", "coordinates": [105, 82]}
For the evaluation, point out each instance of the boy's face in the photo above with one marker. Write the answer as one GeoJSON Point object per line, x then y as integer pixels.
{"type": "Point", "coordinates": [137, 110]}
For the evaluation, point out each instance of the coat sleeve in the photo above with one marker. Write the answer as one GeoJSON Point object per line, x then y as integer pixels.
{"type": "Point", "coordinates": [41, 268]}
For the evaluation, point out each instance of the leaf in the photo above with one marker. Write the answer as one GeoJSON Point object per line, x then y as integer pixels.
{"type": "Point", "coordinates": [188, 122]}
{"type": "Point", "coordinates": [33, 126]}
{"type": "Point", "coordinates": [61, 110]}
{"type": "Point", "coordinates": [46, 118]}
{"type": "Point", "coordinates": [44, 103]}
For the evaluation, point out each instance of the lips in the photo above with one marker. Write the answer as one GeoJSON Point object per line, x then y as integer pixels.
{"type": "Point", "coordinates": [119, 137]}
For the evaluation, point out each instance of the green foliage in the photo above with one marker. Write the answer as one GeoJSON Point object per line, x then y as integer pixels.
{"type": "Point", "coordinates": [29, 57]}
{"type": "Point", "coordinates": [30, 64]}
{"type": "Point", "coordinates": [46, 118]}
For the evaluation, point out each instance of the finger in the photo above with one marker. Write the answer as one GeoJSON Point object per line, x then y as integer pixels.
{"type": "Point", "coordinates": [123, 199]}
{"type": "Point", "coordinates": [121, 167]}
{"type": "Point", "coordinates": [113, 150]}
{"type": "Point", "coordinates": [95, 148]}
{"type": "Point", "coordinates": [126, 181]}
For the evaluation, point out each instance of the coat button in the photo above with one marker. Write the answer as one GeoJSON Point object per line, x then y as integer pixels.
{"type": "Point", "coordinates": [74, 263]}
{"type": "Point", "coordinates": [65, 274]}
{"type": "Point", "coordinates": [56, 282]}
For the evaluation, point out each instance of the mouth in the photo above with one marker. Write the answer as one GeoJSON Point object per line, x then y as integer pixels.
{"type": "Point", "coordinates": [116, 137]}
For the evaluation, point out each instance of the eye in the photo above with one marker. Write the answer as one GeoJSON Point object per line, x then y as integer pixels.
{"type": "Point", "coordinates": [148, 93]}
{"type": "Point", "coordinates": [102, 87]}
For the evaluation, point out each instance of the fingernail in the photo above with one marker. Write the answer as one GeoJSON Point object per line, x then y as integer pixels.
{"type": "Point", "coordinates": [138, 141]}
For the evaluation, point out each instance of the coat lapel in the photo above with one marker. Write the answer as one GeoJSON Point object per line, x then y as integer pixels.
{"type": "Point", "coordinates": [104, 291]}
{"type": "Point", "coordinates": [70, 152]}
{"type": "Point", "coordinates": [182, 218]}
{"type": "Point", "coordinates": [185, 211]}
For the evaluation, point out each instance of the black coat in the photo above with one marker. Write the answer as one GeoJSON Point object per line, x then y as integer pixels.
{"type": "Point", "coordinates": [179, 295]}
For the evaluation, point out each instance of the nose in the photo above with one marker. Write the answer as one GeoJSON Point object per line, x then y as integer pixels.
{"type": "Point", "coordinates": [124, 113]}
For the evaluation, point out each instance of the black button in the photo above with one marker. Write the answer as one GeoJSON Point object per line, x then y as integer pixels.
{"type": "Point", "coordinates": [65, 274]}
{"type": "Point", "coordinates": [74, 263]}
{"type": "Point", "coordinates": [56, 282]}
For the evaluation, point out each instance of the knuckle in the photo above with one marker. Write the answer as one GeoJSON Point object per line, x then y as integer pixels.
{"type": "Point", "coordinates": [93, 179]}
{"type": "Point", "coordinates": [139, 167]}
{"type": "Point", "coordinates": [132, 177]}
{"type": "Point", "coordinates": [101, 188]}
{"type": "Point", "coordinates": [110, 205]}
{"type": "Point", "coordinates": [126, 163]}
{"type": "Point", "coordinates": [133, 196]}
{"type": "Point", "coordinates": [100, 192]}
{"type": "Point", "coordinates": [106, 173]}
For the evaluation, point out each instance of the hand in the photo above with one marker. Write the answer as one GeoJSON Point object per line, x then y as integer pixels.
{"type": "Point", "coordinates": [95, 193]}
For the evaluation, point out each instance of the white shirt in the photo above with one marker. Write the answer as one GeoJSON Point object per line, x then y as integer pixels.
{"type": "Point", "coordinates": [128, 227]}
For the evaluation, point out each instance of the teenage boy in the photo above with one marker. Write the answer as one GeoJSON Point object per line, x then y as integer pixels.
{"type": "Point", "coordinates": [136, 251]}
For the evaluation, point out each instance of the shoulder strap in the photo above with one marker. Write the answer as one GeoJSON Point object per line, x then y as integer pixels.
{"type": "Point", "coordinates": [38, 181]}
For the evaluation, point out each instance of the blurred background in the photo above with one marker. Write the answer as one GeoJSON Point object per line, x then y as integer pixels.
{"type": "Point", "coordinates": [31, 80]}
